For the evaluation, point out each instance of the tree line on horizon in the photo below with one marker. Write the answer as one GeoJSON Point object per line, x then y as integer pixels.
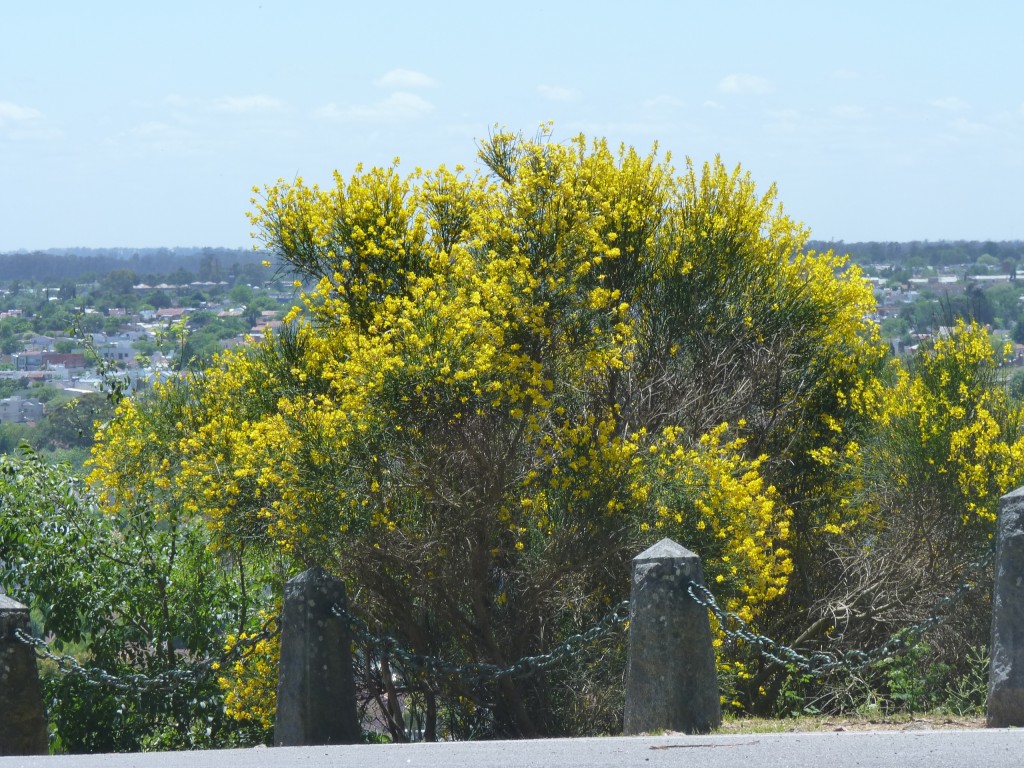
{"type": "Point", "coordinates": [64, 263]}
{"type": "Point", "coordinates": [73, 263]}
{"type": "Point", "coordinates": [934, 253]}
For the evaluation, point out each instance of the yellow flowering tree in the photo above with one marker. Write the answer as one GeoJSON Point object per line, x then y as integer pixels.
{"type": "Point", "coordinates": [503, 385]}
{"type": "Point", "coordinates": [946, 443]}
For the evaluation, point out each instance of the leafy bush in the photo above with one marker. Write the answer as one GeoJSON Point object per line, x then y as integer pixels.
{"type": "Point", "coordinates": [130, 595]}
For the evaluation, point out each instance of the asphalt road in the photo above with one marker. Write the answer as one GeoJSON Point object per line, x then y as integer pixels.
{"type": "Point", "coordinates": [899, 749]}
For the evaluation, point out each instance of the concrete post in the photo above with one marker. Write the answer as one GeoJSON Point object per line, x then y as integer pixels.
{"type": "Point", "coordinates": [22, 718]}
{"type": "Point", "coordinates": [316, 699]}
{"type": "Point", "coordinates": [671, 681]}
{"type": "Point", "coordinates": [1006, 668]}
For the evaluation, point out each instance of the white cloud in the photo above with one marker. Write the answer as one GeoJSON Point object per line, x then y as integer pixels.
{"type": "Point", "coordinates": [400, 105]}
{"type": "Point", "coordinates": [558, 93]}
{"type": "Point", "coordinates": [709, 104]}
{"type": "Point", "coordinates": [247, 104]}
{"type": "Point", "coordinates": [404, 79]}
{"type": "Point", "coordinates": [743, 83]}
{"type": "Point", "coordinates": [951, 103]}
{"type": "Point", "coordinates": [15, 113]}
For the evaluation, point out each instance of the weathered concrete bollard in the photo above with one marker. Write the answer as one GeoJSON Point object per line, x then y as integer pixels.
{"type": "Point", "coordinates": [316, 698]}
{"type": "Point", "coordinates": [1006, 668]}
{"type": "Point", "coordinates": [671, 681]}
{"type": "Point", "coordinates": [22, 718]}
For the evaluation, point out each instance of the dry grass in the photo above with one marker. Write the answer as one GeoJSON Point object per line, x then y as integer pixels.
{"type": "Point", "coordinates": [809, 724]}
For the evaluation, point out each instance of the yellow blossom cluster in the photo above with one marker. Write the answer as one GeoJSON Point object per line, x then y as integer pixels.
{"type": "Point", "coordinates": [951, 426]}
{"type": "Point", "coordinates": [250, 681]}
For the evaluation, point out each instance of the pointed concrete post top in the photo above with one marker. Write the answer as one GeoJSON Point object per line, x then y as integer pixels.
{"type": "Point", "coordinates": [317, 584]}
{"type": "Point", "coordinates": [1011, 508]}
{"type": "Point", "coordinates": [9, 604]}
{"type": "Point", "coordinates": [666, 549]}
{"type": "Point", "coordinates": [314, 575]}
{"type": "Point", "coordinates": [1014, 495]}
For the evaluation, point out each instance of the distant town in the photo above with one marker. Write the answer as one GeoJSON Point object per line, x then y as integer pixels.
{"type": "Point", "coordinates": [923, 288]}
{"type": "Point", "coordinates": [68, 315]}
{"type": "Point", "coordinates": [61, 339]}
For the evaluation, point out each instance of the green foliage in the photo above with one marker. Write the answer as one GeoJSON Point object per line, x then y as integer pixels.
{"type": "Point", "coordinates": [12, 435]}
{"type": "Point", "coordinates": [241, 294]}
{"type": "Point", "coordinates": [131, 595]}
{"type": "Point", "coordinates": [119, 281]}
{"type": "Point", "coordinates": [151, 264]}
{"type": "Point", "coordinates": [11, 330]}
{"type": "Point", "coordinates": [966, 692]}
{"type": "Point", "coordinates": [918, 681]}
{"type": "Point", "coordinates": [72, 424]}
{"type": "Point", "coordinates": [8, 387]}
{"type": "Point", "coordinates": [915, 685]}
{"type": "Point", "coordinates": [792, 699]}
{"type": "Point", "coordinates": [158, 300]}
{"type": "Point", "coordinates": [943, 253]}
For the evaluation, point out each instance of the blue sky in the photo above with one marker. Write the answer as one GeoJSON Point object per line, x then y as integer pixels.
{"type": "Point", "coordinates": [137, 124]}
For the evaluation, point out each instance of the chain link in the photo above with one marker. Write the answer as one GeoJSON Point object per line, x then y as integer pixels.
{"type": "Point", "coordinates": [818, 664]}
{"type": "Point", "coordinates": [169, 679]}
{"type": "Point", "coordinates": [483, 671]}
{"type": "Point", "coordinates": [821, 663]}
{"type": "Point", "coordinates": [129, 682]}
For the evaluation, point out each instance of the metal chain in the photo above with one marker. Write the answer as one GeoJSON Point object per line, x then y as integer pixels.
{"type": "Point", "coordinates": [821, 663]}
{"type": "Point", "coordinates": [129, 682]}
{"type": "Point", "coordinates": [818, 664]}
{"type": "Point", "coordinates": [172, 678]}
{"type": "Point", "coordinates": [483, 671]}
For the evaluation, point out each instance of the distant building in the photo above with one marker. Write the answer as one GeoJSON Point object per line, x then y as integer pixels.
{"type": "Point", "coordinates": [71, 360]}
{"type": "Point", "coordinates": [14, 375]}
{"type": "Point", "coordinates": [990, 278]}
{"type": "Point", "coordinates": [263, 326]}
{"type": "Point", "coordinates": [171, 313]}
{"type": "Point", "coordinates": [118, 351]}
{"type": "Point", "coordinates": [27, 361]}
{"type": "Point", "coordinates": [40, 361]}
{"type": "Point", "coordinates": [20, 410]}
